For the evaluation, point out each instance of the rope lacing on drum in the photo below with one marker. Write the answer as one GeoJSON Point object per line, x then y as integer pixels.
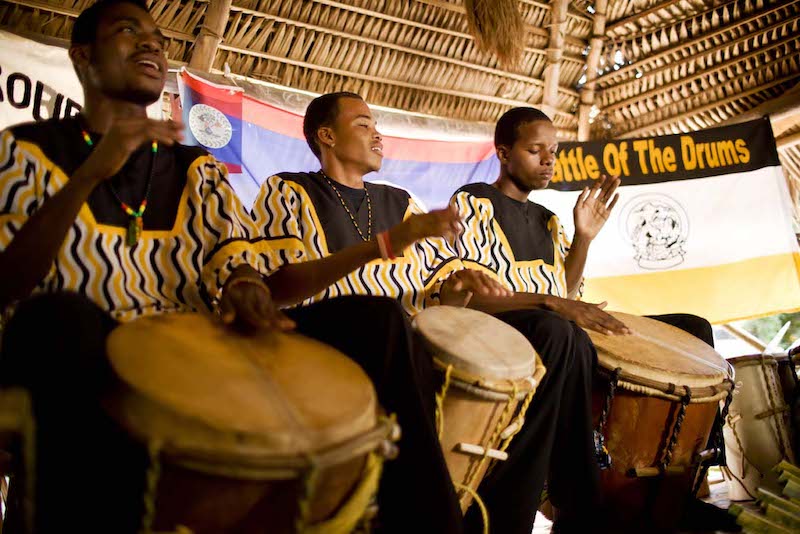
{"type": "Point", "coordinates": [773, 408]}
{"type": "Point", "coordinates": [719, 440]}
{"type": "Point", "coordinates": [676, 430]}
{"type": "Point", "coordinates": [439, 397]}
{"type": "Point", "coordinates": [308, 488]}
{"type": "Point", "coordinates": [612, 389]}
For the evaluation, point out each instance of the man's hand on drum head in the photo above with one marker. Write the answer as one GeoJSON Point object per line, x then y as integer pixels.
{"type": "Point", "coordinates": [588, 315]}
{"type": "Point", "coordinates": [437, 223]}
{"type": "Point", "coordinates": [247, 305]}
{"type": "Point", "coordinates": [459, 287]}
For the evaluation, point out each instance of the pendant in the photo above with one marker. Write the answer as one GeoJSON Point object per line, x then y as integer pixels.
{"type": "Point", "coordinates": [135, 227]}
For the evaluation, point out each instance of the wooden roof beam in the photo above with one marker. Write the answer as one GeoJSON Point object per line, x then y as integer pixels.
{"type": "Point", "coordinates": [697, 40]}
{"type": "Point", "coordinates": [535, 30]}
{"type": "Point", "coordinates": [380, 79]}
{"type": "Point", "coordinates": [552, 71]}
{"type": "Point", "coordinates": [211, 32]}
{"type": "Point", "coordinates": [636, 16]}
{"type": "Point", "coordinates": [413, 24]}
{"type": "Point", "coordinates": [592, 62]}
{"type": "Point", "coordinates": [713, 105]}
{"type": "Point", "coordinates": [404, 49]}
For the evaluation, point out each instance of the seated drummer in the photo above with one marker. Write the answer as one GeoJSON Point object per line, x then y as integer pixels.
{"type": "Point", "coordinates": [524, 245]}
{"type": "Point", "coordinates": [366, 239]}
{"type": "Point", "coordinates": [332, 229]}
{"type": "Point", "coordinates": [107, 217]}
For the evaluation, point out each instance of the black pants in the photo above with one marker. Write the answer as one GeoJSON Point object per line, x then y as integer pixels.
{"type": "Point", "coordinates": [416, 493]}
{"type": "Point", "coordinates": [556, 441]}
{"type": "Point", "coordinates": [54, 346]}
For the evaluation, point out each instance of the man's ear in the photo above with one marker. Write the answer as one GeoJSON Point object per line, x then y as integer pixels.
{"type": "Point", "coordinates": [503, 152]}
{"type": "Point", "coordinates": [79, 55]}
{"type": "Point", "coordinates": [326, 137]}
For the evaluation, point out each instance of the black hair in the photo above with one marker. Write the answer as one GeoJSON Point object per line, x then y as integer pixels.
{"type": "Point", "coordinates": [84, 31]}
{"type": "Point", "coordinates": [507, 129]}
{"type": "Point", "coordinates": [322, 111]}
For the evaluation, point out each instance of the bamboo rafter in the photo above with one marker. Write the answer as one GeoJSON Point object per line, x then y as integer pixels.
{"type": "Point", "coordinates": [253, 31]}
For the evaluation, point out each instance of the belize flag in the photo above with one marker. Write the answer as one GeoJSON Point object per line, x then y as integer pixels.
{"type": "Point", "coordinates": [256, 140]}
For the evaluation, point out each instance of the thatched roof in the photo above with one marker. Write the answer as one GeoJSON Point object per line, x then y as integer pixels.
{"type": "Point", "coordinates": [602, 68]}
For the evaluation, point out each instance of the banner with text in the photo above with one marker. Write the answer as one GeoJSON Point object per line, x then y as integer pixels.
{"type": "Point", "coordinates": [703, 224]}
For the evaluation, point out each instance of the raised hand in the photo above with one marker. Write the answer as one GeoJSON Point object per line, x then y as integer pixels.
{"type": "Point", "coordinates": [594, 206]}
{"type": "Point", "coordinates": [459, 287]}
{"type": "Point", "coordinates": [437, 223]}
{"type": "Point", "coordinates": [122, 140]}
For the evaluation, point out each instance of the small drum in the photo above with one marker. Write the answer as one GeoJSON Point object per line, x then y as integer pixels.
{"type": "Point", "coordinates": [273, 432]}
{"type": "Point", "coordinates": [490, 373]}
{"type": "Point", "coordinates": [655, 400]}
{"type": "Point", "coordinates": [758, 427]}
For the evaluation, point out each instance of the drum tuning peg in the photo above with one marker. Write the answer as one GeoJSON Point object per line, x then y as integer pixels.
{"type": "Point", "coordinates": [513, 428]}
{"type": "Point", "coordinates": [388, 450]}
{"type": "Point", "coordinates": [395, 433]}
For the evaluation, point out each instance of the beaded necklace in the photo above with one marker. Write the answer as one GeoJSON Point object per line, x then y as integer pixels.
{"type": "Point", "coordinates": [135, 225]}
{"type": "Point", "coordinates": [344, 205]}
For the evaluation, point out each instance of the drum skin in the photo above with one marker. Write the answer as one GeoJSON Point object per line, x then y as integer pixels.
{"type": "Point", "coordinates": [755, 438]}
{"type": "Point", "coordinates": [236, 417]}
{"type": "Point", "coordinates": [657, 363]}
{"type": "Point", "coordinates": [488, 358]}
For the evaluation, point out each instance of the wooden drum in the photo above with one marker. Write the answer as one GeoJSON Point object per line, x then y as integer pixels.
{"type": "Point", "coordinates": [758, 428]}
{"type": "Point", "coordinates": [490, 373]}
{"type": "Point", "coordinates": [269, 433]}
{"type": "Point", "coordinates": [655, 400]}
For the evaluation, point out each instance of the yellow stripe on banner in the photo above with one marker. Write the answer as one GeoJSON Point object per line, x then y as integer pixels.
{"type": "Point", "coordinates": [721, 294]}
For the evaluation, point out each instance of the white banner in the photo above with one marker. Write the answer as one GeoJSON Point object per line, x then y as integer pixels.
{"type": "Point", "coordinates": [37, 81]}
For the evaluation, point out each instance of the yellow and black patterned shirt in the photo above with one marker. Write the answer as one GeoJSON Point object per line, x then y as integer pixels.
{"type": "Point", "coordinates": [195, 230]}
{"type": "Point", "coordinates": [305, 220]}
{"type": "Point", "coordinates": [521, 244]}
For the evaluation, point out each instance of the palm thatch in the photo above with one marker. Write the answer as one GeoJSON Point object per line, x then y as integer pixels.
{"type": "Point", "coordinates": [614, 67]}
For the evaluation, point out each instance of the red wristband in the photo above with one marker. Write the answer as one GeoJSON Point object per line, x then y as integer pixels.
{"type": "Point", "coordinates": [385, 246]}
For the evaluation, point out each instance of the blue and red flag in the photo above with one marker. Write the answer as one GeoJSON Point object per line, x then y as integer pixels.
{"type": "Point", "coordinates": [261, 140]}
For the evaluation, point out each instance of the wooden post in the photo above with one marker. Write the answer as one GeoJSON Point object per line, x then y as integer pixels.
{"type": "Point", "coordinates": [211, 32]}
{"type": "Point", "coordinates": [592, 62]}
{"type": "Point", "coordinates": [552, 72]}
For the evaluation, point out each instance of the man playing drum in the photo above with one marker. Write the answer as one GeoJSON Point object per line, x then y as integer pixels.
{"type": "Point", "coordinates": [524, 245]}
{"type": "Point", "coordinates": [80, 253]}
{"type": "Point", "coordinates": [371, 237]}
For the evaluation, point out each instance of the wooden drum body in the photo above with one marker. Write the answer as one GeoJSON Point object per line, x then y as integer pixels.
{"type": "Point", "coordinates": [758, 428]}
{"type": "Point", "coordinates": [269, 433]}
{"type": "Point", "coordinates": [489, 376]}
{"type": "Point", "coordinates": [655, 400]}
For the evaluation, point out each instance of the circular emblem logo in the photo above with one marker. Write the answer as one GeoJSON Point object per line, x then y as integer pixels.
{"type": "Point", "coordinates": [209, 126]}
{"type": "Point", "coordinates": [657, 227]}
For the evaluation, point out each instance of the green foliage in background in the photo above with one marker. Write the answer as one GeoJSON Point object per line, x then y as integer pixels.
{"type": "Point", "coordinates": [766, 327]}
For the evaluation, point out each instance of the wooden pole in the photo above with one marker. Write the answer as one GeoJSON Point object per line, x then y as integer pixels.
{"type": "Point", "coordinates": [592, 62]}
{"type": "Point", "coordinates": [205, 47]}
{"type": "Point", "coordinates": [552, 72]}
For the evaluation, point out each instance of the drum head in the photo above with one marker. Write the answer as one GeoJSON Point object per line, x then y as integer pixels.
{"type": "Point", "coordinates": [476, 343]}
{"type": "Point", "coordinates": [194, 384]}
{"type": "Point", "coordinates": [658, 352]}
